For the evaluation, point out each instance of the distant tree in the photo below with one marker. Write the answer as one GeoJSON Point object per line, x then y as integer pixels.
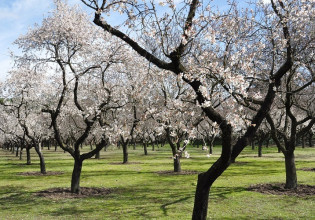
{"type": "Point", "coordinates": [293, 116]}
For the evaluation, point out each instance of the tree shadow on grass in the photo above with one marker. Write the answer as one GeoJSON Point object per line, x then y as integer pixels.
{"type": "Point", "coordinates": [12, 198]}
{"type": "Point", "coordinates": [222, 192]}
{"type": "Point", "coordinates": [164, 206]}
{"type": "Point", "coordinates": [71, 211]}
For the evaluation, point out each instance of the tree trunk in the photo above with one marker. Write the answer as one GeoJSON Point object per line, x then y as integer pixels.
{"type": "Point", "coordinates": [153, 146]}
{"type": "Point", "coordinates": [253, 144]}
{"type": "Point", "coordinates": [28, 156]}
{"type": "Point", "coordinates": [41, 159]}
{"type": "Point", "coordinates": [76, 173]}
{"type": "Point", "coordinates": [201, 198]}
{"type": "Point", "coordinates": [303, 141]}
{"type": "Point", "coordinates": [97, 155]}
{"type": "Point", "coordinates": [204, 183]}
{"type": "Point", "coordinates": [290, 170]}
{"type": "Point", "coordinates": [145, 148]}
{"type": "Point", "coordinates": [125, 152]}
{"type": "Point", "coordinates": [177, 166]}
{"type": "Point", "coordinates": [268, 141]}
{"type": "Point", "coordinates": [21, 153]}
{"type": "Point", "coordinates": [56, 147]}
{"type": "Point", "coordinates": [17, 151]}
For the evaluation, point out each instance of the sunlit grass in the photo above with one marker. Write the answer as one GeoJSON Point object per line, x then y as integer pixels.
{"type": "Point", "coordinates": [139, 192]}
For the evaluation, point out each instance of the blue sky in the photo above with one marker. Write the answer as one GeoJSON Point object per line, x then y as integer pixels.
{"type": "Point", "coordinates": [16, 16]}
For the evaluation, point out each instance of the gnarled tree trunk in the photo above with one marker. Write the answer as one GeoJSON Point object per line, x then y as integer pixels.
{"type": "Point", "coordinates": [204, 183]}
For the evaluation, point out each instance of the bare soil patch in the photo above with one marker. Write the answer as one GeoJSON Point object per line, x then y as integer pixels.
{"type": "Point", "coordinates": [308, 169]}
{"type": "Point", "coordinates": [184, 172]}
{"type": "Point", "coordinates": [37, 173]}
{"type": "Point", "coordinates": [278, 189]}
{"type": "Point", "coordinates": [65, 193]}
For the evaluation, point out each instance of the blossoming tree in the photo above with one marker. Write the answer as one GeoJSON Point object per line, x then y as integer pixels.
{"type": "Point", "coordinates": [230, 52]}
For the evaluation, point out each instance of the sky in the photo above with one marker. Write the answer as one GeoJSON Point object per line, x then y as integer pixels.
{"type": "Point", "coordinates": [16, 17]}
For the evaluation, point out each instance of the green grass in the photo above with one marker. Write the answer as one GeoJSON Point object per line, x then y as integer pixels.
{"type": "Point", "coordinates": [139, 192]}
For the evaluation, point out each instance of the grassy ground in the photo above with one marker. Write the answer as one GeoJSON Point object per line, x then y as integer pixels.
{"type": "Point", "coordinates": [139, 192]}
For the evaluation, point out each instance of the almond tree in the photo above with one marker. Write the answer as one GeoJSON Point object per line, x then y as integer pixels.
{"type": "Point", "coordinates": [292, 116]}
{"type": "Point", "coordinates": [136, 87]}
{"type": "Point", "coordinates": [81, 63]}
{"type": "Point", "coordinates": [23, 103]}
{"type": "Point", "coordinates": [233, 50]}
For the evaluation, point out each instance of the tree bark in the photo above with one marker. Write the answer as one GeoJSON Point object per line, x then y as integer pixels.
{"type": "Point", "coordinates": [201, 198]}
{"type": "Point", "coordinates": [21, 153]}
{"type": "Point", "coordinates": [76, 173]}
{"type": "Point", "coordinates": [268, 141]}
{"type": "Point", "coordinates": [290, 170]}
{"type": "Point", "coordinates": [204, 183]}
{"type": "Point", "coordinates": [17, 151]}
{"type": "Point", "coordinates": [28, 156]}
{"type": "Point", "coordinates": [303, 141]}
{"type": "Point", "coordinates": [145, 148]}
{"type": "Point", "coordinates": [41, 159]}
{"type": "Point", "coordinates": [97, 155]}
{"type": "Point", "coordinates": [177, 166]}
{"type": "Point", "coordinates": [211, 142]}
{"type": "Point", "coordinates": [125, 152]}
